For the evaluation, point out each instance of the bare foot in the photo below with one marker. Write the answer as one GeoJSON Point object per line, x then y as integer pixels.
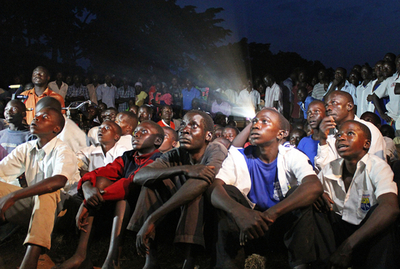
{"type": "Point", "coordinates": [75, 262]}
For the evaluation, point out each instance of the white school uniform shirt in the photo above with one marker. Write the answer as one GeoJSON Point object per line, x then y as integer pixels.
{"type": "Point", "coordinates": [72, 135]}
{"type": "Point", "coordinates": [272, 94]}
{"type": "Point", "coordinates": [55, 158]}
{"type": "Point", "coordinates": [92, 136]}
{"type": "Point", "coordinates": [393, 107]}
{"type": "Point", "coordinates": [328, 152]}
{"type": "Point", "coordinates": [251, 98]}
{"type": "Point", "coordinates": [362, 94]}
{"type": "Point", "coordinates": [349, 88]}
{"type": "Point", "coordinates": [373, 177]}
{"type": "Point", "coordinates": [125, 141]}
{"type": "Point", "coordinates": [91, 158]}
{"type": "Point", "coordinates": [292, 167]}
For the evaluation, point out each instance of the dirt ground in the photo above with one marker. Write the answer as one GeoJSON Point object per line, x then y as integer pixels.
{"type": "Point", "coordinates": [63, 246]}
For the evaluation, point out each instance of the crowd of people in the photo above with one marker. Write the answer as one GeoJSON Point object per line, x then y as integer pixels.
{"type": "Point", "coordinates": [308, 164]}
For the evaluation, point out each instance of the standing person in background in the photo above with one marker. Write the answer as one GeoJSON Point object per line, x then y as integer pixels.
{"type": "Point", "coordinates": [188, 94]}
{"type": "Point", "coordinates": [40, 79]}
{"type": "Point", "coordinates": [106, 92]}
{"type": "Point", "coordinates": [273, 93]}
{"type": "Point", "coordinates": [340, 83]}
{"type": "Point", "coordinates": [124, 94]}
{"type": "Point", "coordinates": [59, 86]}
{"type": "Point", "coordinates": [92, 88]}
{"type": "Point", "coordinates": [363, 90]}
{"type": "Point", "coordinates": [249, 97]}
{"type": "Point", "coordinates": [141, 96]}
{"type": "Point", "coordinates": [319, 88]}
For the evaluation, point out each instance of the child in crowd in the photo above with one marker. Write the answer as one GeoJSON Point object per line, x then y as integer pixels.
{"type": "Point", "coordinates": [230, 133]}
{"type": "Point", "coordinates": [296, 136]}
{"type": "Point", "coordinates": [93, 157]}
{"type": "Point", "coordinates": [251, 195]}
{"type": "Point", "coordinates": [114, 183]}
{"type": "Point", "coordinates": [166, 117]}
{"type": "Point", "coordinates": [128, 123]}
{"type": "Point", "coordinates": [170, 139]}
{"type": "Point", "coordinates": [361, 199]}
{"type": "Point", "coordinates": [309, 144]}
{"type": "Point", "coordinates": [48, 164]}
{"type": "Point", "coordinates": [17, 132]}
{"type": "Point", "coordinates": [108, 114]}
{"type": "Point", "coordinates": [145, 113]}
{"type": "Point", "coordinates": [304, 100]}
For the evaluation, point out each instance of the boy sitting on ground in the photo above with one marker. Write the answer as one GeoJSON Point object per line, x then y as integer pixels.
{"type": "Point", "coordinates": [170, 140]}
{"type": "Point", "coordinates": [48, 164]}
{"type": "Point", "coordinates": [361, 200]}
{"type": "Point", "coordinates": [178, 178]}
{"type": "Point", "coordinates": [128, 123]}
{"type": "Point", "coordinates": [17, 132]}
{"type": "Point", "coordinates": [251, 195]}
{"type": "Point", "coordinates": [93, 157]}
{"type": "Point", "coordinates": [114, 183]}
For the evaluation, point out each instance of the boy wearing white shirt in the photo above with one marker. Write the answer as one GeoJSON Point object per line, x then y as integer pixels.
{"type": "Point", "coordinates": [48, 164]}
{"type": "Point", "coordinates": [361, 199]}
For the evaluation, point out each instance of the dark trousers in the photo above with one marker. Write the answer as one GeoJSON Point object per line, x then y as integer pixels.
{"type": "Point", "coordinates": [298, 229]}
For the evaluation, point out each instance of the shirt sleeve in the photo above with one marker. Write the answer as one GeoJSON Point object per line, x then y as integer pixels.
{"type": "Point", "coordinates": [382, 177]}
{"type": "Point", "coordinates": [382, 91]}
{"type": "Point", "coordinates": [300, 165]}
{"type": "Point", "coordinates": [113, 171]}
{"type": "Point", "coordinates": [325, 154]}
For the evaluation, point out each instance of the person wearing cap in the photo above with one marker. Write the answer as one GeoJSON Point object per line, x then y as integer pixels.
{"type": "Point", "coordinates": [141, 95]}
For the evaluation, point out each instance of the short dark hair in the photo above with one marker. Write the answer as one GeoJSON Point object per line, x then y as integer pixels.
{"type": "Point", "coordinates": [132, 117]}
{"type": "Point", "coordinates": [375, 120]}
{"type": "Point", "coordinates": [363, 127]}
{"type": "Point", "coordinates": [174, 133]}
{"type": "Point", "coordinates": [159, 129]}
{"type": "Point", "coordinates": [207, 120]}
{"type": "Point", "coordinates": [116, 127]}
{"type": "Point", "coordinates": [19, 104]}
{"type": "Point", "coordinates": [48, 102]}
{"type": "Point", "coordinates": [283, 122]}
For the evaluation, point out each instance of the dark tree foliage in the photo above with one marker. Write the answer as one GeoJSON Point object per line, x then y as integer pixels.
{"type": "Point", "coordinates": [130, 38]}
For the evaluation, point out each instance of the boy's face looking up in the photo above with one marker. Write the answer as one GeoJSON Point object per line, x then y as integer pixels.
{"type": "Point", "coordinates": [192, 132]}
{"type": "Point", "coordinates": [351, 141]}
{"type": "Point", "coordinates": [13, 112]}
{"type": "Point", "coordinates": [265, 128]}
{"type": "Point", "coordinates": [145, 138]}
{"type": "Point", "coordinates": [109, 114]}
{"type": "Point", "coordinates": [229, 134]}
{"type": "Point", "coordinates": [45, 123]}
{"type": "Point", "coordinates": [107, 133]}
{"type": "Point", "coordinates": [143, 114]}
{"type": "Point", "coordinates": [315, 114]}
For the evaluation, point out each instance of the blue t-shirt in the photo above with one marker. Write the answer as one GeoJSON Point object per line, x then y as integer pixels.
{"type": "Point", "coordinates": [309, 147]}
{"type": "Point", "coordinates": [188, 96]}
{"type": "Point", "coordinates": [265, 190]}
{"type": "Point", "coordinates": [9, 140]}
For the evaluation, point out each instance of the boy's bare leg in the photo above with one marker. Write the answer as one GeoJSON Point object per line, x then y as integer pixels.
{"type": "Point", "coordinates": [190, 256]}
{"type": "Point", "coordinates": [119, 224]}
{"type": "Point", "coordinates": [31, 257]}
{"type": "Point", "coordinates": [152, 257]}
{"type": "Point", "coordinates": [81, 252]}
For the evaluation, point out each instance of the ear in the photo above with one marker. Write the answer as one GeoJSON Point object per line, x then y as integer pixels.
{"type": "Point", "coordinates": [367, 144]}
{"type": "Point", "coordinates": [174, 144]}
{"type": "Point", "coordinates": [158, 141]}
{"type": "Point", "coordinates": [349, 106]}
{"type": "Point", "coordinates": [281, 134]}
{"type": "Point", "coordinates": [209, 136]}
{"type": "Point", "coordinates": [116, 137]}
{"type": "Point", "coordinates": [56, 129]}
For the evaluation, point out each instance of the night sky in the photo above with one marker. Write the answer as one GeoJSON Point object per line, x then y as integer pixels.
{"type": "Point", "coordinates": [337, 33]}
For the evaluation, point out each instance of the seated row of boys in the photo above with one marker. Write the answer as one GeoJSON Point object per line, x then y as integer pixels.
{"type": "Point", "coordinates": [255, 191]}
